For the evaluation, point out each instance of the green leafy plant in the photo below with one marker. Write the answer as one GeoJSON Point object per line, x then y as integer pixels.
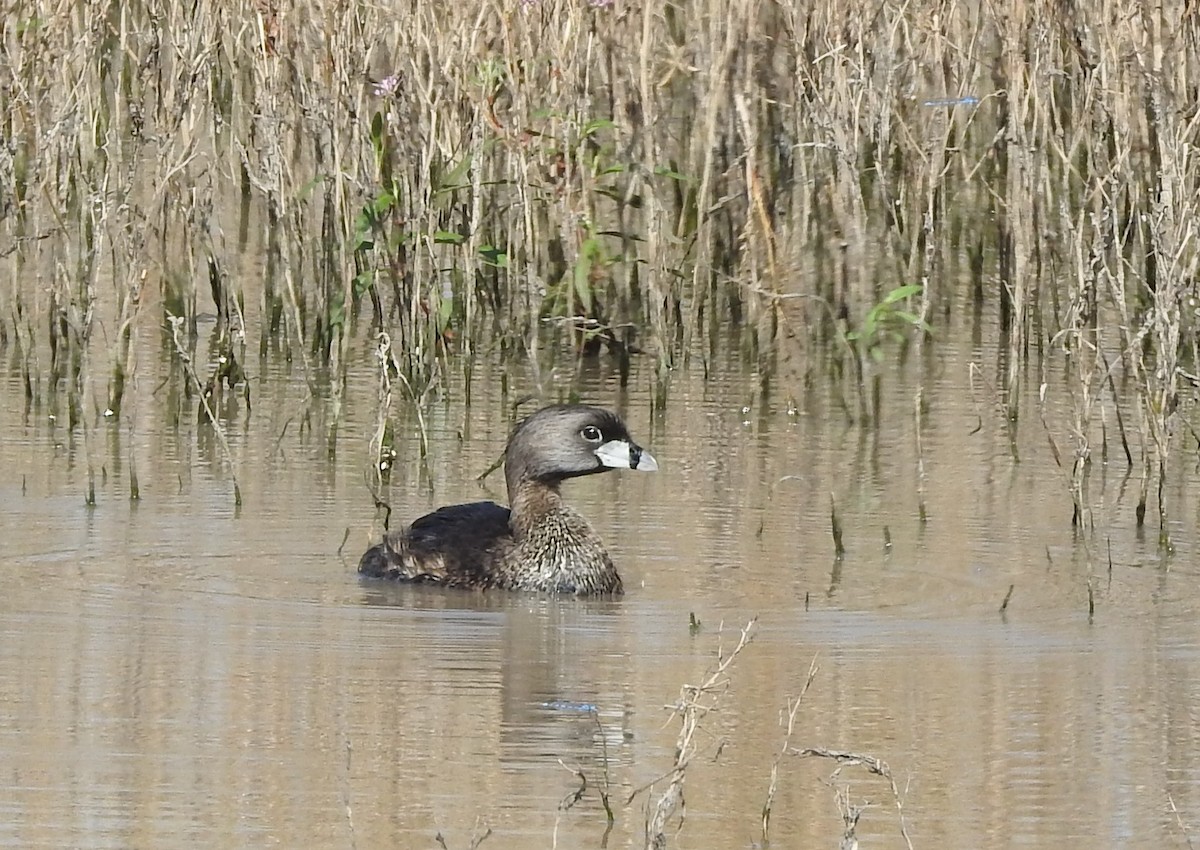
{"type": "Point", "coordinates": [886, 321]}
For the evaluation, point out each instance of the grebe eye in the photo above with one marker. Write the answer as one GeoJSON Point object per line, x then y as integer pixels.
{"type": "Point", "coordinates": [591, 433]}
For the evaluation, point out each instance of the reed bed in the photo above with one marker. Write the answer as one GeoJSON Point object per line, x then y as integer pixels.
{"type": "Point", "coordinates": [503, 178]}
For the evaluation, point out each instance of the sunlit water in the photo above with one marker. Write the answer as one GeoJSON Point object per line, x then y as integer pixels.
{"type": "Point", "coordinates": [177, 672]}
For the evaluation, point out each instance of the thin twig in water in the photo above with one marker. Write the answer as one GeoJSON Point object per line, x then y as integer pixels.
{"type": "Point", "coordinates": [573, 797]}
{"type": "Point", "coordinates": [695, 703]}
{"type": "Point", "coordinates": [569, 801]}
{"type": "Point", "coordinates": [180, 349]}
{"type": "Point", "coordinates": [476, 840]}
{"type": "Point", "coordinates": [346, 799]}
{"type": "Point", "coordinates": [873, 765]}
{"type": "Point", "coordinates": [1183, 827]}
{"type": "Point", "coordinates": [839, 548]}
{"type": "Point", "coordinates": [1007, 596]}
{"type": "Point", "coordinates": [792, 708]}
{"type": "Point", "coordinates": [850, 815]}
{"type": "Point", "coordinates": [605, 791]}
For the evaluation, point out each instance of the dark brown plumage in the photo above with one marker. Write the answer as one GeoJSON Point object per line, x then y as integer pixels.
{"type": "Point", "coordinates": [539, 543]}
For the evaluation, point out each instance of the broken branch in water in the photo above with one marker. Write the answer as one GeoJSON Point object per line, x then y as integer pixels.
{"type": "Point", "coordinates": [872, 765]}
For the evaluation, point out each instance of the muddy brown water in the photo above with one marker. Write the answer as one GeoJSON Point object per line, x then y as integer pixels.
{"type": "Point", "coordinates": [181, 673]}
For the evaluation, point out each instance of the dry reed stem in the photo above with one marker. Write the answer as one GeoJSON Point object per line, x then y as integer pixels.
{"type": "Point", "coordinates": [872, 765]}
{"type": "Point", "coordinates": [176, 325]}
{"type": "Point", "coordinates": [695, 703]}
{"type": "Point", "coordinates": [477, 838]}
{"type": "Point", "coordinates": [1183, 827]}
{"type": "Point", "coordinates": [792, 707]}
{"type": "Point", "coordinates": [572, 798]}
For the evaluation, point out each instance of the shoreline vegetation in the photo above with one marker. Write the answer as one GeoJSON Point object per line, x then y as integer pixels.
{"type": "Point", "coordinates": [445, 182]}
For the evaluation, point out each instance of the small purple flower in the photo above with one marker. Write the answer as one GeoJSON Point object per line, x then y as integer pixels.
{"type": "Point", "coordinates": [388, 86]}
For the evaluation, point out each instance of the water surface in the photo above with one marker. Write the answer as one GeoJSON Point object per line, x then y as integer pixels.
{"type": "Point", "coordinates": [179, 671]}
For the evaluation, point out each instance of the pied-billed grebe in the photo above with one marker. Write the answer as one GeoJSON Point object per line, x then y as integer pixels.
{"type": "Point", "coordinates": [538, 544]}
